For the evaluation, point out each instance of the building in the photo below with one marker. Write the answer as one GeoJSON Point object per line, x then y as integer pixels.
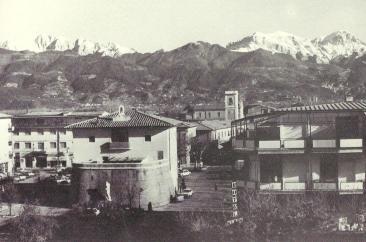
{"type": "Point", "coordinates": [232, 109]}
{"type": "Point", "coordinates": [185, 133]}
{"type": "Point", "coordinates": [39, 139]}
{"type": "Point", "coordinates": [308, 148]}
{"type": "Point", "coordinates": [6, 163]}
{"type": "Point", "coordinates": [128, 157]}
{"type": "Point", "coordinates": [213, 130]}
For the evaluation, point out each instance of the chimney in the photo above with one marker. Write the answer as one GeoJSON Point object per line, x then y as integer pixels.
{"type": "Point", "coordinates": [121, 116]}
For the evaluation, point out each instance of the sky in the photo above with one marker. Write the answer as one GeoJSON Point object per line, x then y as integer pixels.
{"type": "Point", "coordinates": [150, 25]}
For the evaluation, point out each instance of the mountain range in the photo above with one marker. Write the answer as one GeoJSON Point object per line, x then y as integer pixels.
{"type": "Point", "coordinates": [276, 68]}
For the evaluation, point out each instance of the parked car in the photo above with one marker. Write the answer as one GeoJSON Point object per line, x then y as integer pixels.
{"type": "Point", "coordinates": [185, 172]}
{"type": "Point", "coordinates": [187, 192]}
{"type": "Point", "coordinates": [179, 198]}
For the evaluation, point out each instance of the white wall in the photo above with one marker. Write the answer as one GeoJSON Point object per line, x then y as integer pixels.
{"type": "Point", "coordinates": [5, 137]}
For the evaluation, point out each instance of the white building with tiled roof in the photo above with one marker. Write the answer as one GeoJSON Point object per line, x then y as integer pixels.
{"type": "Point", "coordinates": [126, 150]}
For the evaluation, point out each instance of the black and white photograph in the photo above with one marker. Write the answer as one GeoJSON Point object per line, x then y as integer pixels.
{"type": "Point", "coordinates": [182, 120]}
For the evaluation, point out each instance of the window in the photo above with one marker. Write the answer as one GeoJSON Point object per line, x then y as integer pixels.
{"type": "Point", "coordinates": [63, 144]}
{"type": "Point", "coordinates": [28, 145]}
{"type": "Point", "coordinates": [119, 135]}
{"type": "Point", "coordinates": [27, 132]}
{"type": "Point", "coordinates": [200, 114]}
{"type": "Point", "coordinates": [10, 143]}
{"type": "Point", "coordinates": [92, 139]}
{"type": "Point", "coordinates": [53, 131]}
{"type": "Point", "coordinates": [41, 145]}
{"type": "Point", "coordinates": [16, 145]}
{"type": "Point", "coordinates": [53, 145]}
{"type": "Point", "coordinates": [148, 137]}
{"type": "Point", "coordinates": [230, 102]}
{"type": "Point", "coordinates": [218, 114]}
{"type": "Point", "coordinates": [160, 155]}
{"type": "Point", "coordinates": [16, 132]}
{"type": "Point", "coordinates": [40, 131]}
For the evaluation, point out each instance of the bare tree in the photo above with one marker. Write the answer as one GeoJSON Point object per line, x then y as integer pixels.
{"type": "Point", "coordinates": [9, 194]}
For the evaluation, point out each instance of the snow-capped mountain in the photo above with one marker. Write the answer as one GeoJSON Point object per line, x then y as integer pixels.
{"type": "Point", "coordinates": [340, 43]}
{"type": "Point", "coordinates": [82, 46]}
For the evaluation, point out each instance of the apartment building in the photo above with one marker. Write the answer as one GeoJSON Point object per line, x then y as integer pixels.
{"type": "Point", "coordinates": [317, 148]}
{"type": "Point", "coordinates": [124, 153]}
{"type": "Point", "coordinates": [39, 139]}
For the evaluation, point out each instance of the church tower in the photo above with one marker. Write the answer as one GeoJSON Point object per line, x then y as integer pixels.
{"type": "Point", "coordinates": [232, 111]}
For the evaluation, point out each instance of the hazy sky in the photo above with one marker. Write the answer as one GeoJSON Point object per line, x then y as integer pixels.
{"type": "Point", "coordinates": [148, 25]}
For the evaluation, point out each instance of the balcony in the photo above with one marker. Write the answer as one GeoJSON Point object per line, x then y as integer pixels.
{"type": "Point", "coordinates": [325, 143]}
{"type": "Point", "coordinates": [240, 144]}
{"type": "Point", "coordinates": [272, 186]}
{"type": "Point", "coordinates": [325, 186]}
{"type": "Point", "coordinates": [294, 186]}
{"type": "Point", "coordinates": [350, 143]}
{"type": "Point", "coordinates": [281, 146]}
{"type": "Point", "coordinates": [269, 144]}
{"type": "Point", "coordinates": [350, 187]}
{"type": "Point", "coordinates": [114, 147]}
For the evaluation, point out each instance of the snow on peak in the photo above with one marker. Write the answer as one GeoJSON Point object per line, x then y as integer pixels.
{"type": "Point", "coordinates": [325, 48]}
{"type": "Point", "coordinates": [46, 42]}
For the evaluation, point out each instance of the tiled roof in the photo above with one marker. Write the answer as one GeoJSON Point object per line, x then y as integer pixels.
{"type": "Point", "coordinates": [213, 125]}
{"type": "Point", "coordinates": [341, 106]}
{"type": "Point", "coordinates": [134, 119]}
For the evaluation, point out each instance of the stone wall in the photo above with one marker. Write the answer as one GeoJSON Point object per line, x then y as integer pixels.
{"type": "Point", "coordinates": [153, 178]}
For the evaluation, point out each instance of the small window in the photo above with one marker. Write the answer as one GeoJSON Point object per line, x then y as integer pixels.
{"type": "Point", "coordinates": [63, 144]}
{"type": "Point", "coordinates": [53, 145]}
{"type": "Point", "coordinates": [16, 145]}
{"type": "Point", "coordinates": [53, 131]}
{"type": "Point", "coordinates": [40, 131]}
{"type": "Point", "coordinates": [200, 114]}
{"type": "Point", "coordinates": [10, 143]}
{"type": "Point", "coordinates": [27, 132]}
{"type": "Point", "coordinates": [92, 139]}
{"type": "Point", "coordinates": [41, 145]}
{"type": "Point", "coordinates": [160, 155]}
{"type": "Point", "coordinates": [28, 145]}
{"type": "Point", "coordinates": [148, 137]}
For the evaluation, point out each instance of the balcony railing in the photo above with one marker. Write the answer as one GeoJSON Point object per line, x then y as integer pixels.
{"type": "Point", "coordinates": [270, 186]}
{"type": "Point", "coordinates": [269, 144]}
{"type": "Point", "coordinates": [298, 144]}
{"type": "Point", "coordinates": [294, 144]}
{"type": "Point", "coordinates": [330, 186]}
{"type": "Point", "coordinates": [294, 186]}
{"type": "Point", "coordinates": [350, 143]}
{"type": "Point", "coordinates": [350, 186]}
{"type": "Point", "coordinates": [325, 143]}
{"type": "Point", "coordinates": [114, 147]}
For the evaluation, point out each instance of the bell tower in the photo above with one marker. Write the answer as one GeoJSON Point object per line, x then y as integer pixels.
{"type": "Point", "coordinates": [231, 105]}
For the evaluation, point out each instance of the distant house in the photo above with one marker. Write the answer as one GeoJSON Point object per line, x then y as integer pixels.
{"type": "Point", "coordinates": [39, 139]}
{"type": "Point", "coordinates": [316, 148]}
{"type": "Point", "coordinates": [213, 130]}
{"type": "Point", "coordinates": [127, 157]}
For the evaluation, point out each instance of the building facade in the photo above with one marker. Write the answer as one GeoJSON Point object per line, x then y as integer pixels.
{"type": "Point", "coordinates": [125, 154]}
{"type": "Point", "coordinates": [40, 139]}
{"type": "Point", "coordinates": [309, 148]}
{"type": "Point", "coordinates": [6, 163]}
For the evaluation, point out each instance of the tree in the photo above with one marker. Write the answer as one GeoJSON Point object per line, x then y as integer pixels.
{"type": "Point", "coordinates": [29, 226]}
{"type": "Point", "coordinates": [196, 151]}
{"type": "Point", "coordinates": [9, 194]}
